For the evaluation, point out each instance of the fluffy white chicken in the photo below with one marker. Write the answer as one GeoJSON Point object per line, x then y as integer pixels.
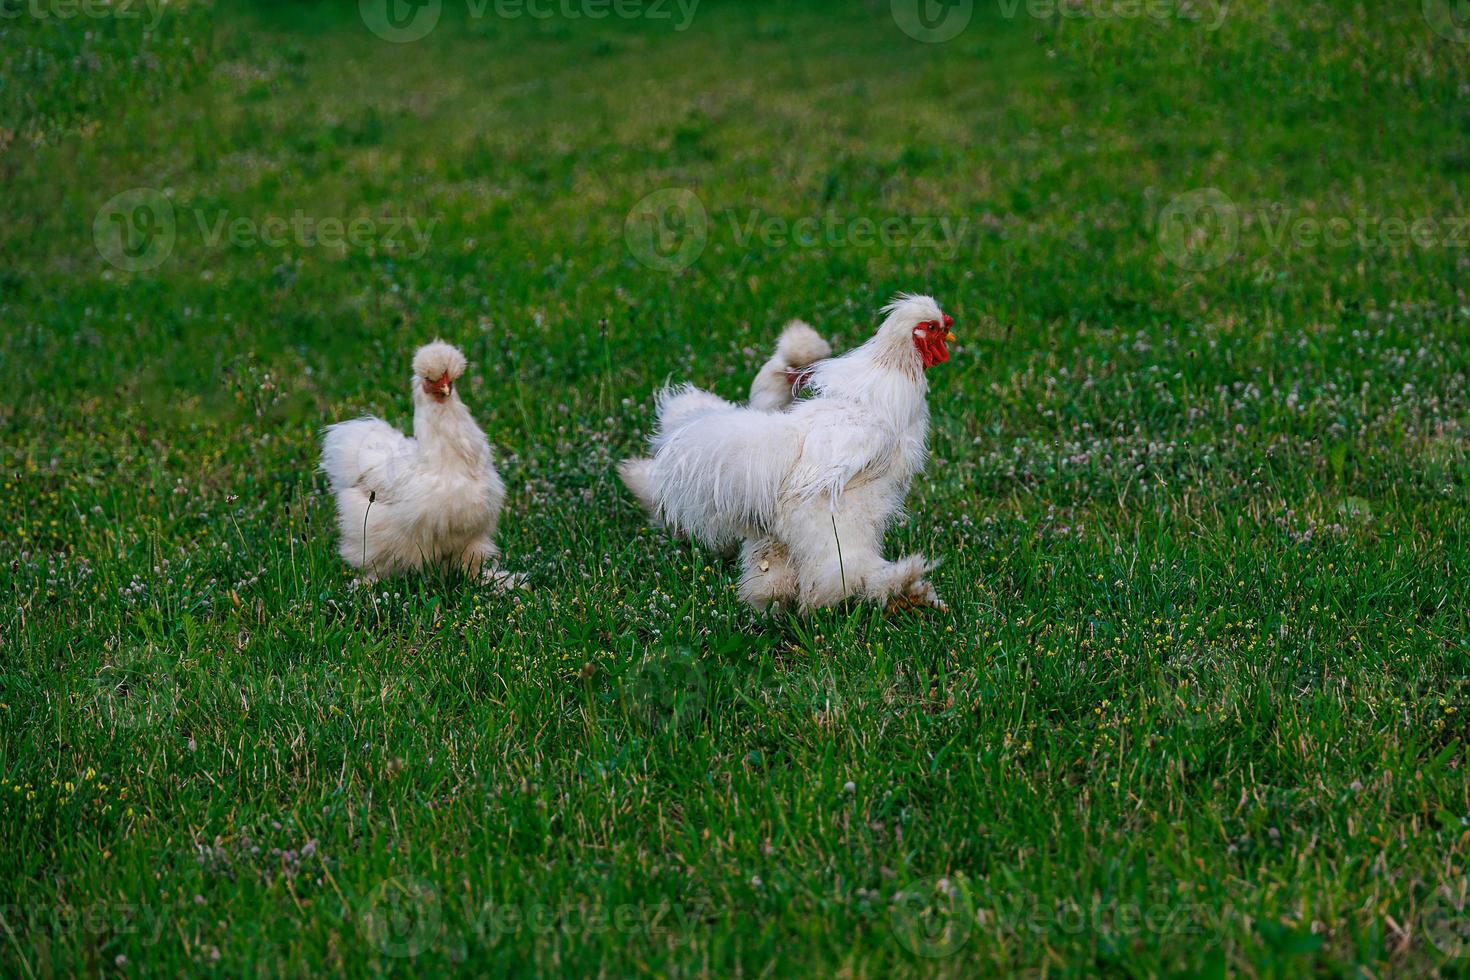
{"type": "Point", "coordinates": [433, 499]}
{"type": "Point", "coordinates": [809, 491]}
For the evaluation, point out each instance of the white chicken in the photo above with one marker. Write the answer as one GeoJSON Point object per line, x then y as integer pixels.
{"type": "Point", "coordinates": [403, 503]}
{"type": "Point", "coordinates": [809, 491]}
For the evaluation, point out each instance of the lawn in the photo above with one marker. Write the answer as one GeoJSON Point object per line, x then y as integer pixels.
{"type": "Point", "coordinates": [1199, 476]}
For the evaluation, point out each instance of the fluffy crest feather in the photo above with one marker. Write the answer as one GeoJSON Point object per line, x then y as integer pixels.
{"type": "Point", "coordinates": [912, 306]}
{"type": "Point", "coordinates": [436, 359]}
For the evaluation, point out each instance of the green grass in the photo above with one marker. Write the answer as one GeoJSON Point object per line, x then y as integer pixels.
{"type": "Point", "coordinates": [1199, 705]}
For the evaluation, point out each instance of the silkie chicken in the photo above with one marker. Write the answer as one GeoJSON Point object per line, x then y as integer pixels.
{"type": "Point", "coordinates": [406, 503]}
{"type": "Point", "coordinates": [809, 491]}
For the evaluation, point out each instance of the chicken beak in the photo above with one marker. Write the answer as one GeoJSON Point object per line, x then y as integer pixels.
{"type": "Point", "coordinates": [950, 338]}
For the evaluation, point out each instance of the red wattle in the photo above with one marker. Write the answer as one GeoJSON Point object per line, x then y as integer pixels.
{"type": "Point", "coordinates": [931, 346]}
